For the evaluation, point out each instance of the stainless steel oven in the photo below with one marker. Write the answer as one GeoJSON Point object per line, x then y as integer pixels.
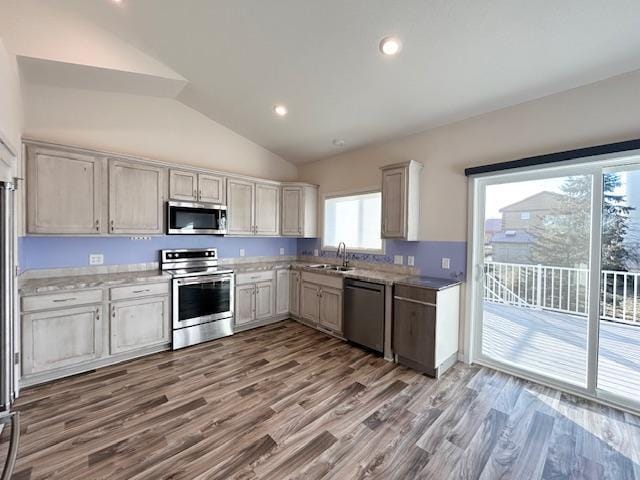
{"type": "Point", "coordinates": [202, 296]}
{"type": "Point", "coordinates": [194, 218]}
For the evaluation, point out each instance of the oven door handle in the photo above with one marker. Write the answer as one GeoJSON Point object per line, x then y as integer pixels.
{"type": "Point", "coordinates": [227, 278]}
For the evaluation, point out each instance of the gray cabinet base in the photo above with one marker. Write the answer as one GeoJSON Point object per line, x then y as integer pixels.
{"type": "Point", "coordinates": [432, 372]}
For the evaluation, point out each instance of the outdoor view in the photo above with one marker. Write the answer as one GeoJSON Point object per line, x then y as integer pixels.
{"type": "Point", "coordinates": [537, 237]}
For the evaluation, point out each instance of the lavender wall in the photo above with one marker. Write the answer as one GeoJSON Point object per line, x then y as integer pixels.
{"type": "Point", "coordinates": [60, 252]}
{"type": "Point", "coordinates": [428, 255]}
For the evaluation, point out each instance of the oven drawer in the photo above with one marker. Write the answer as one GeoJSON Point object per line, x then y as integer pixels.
{"type": "Point", "coordinates": [136, 291]}
{"type": "Point", "coordinates": [254, 277]}
{"type": "Point", "coordinates": [60, 300]}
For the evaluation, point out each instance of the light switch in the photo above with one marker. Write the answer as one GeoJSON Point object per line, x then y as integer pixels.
{"type": "Point", "coordinates": [398, 259]}
{"type": "Point", "coordinates": [411, 261]}
{"type": "Point", "coordinates": [281, 251]}
{"type": "Point", "coordinates": [446, 263]}
{"type": "Point", "coordinates": [96, 259]}
{"type": "Point", "coordinates": [242, 252]}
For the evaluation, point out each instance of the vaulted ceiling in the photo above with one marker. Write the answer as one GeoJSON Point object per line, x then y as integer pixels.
{"type": "Point", "coordinates": [232, 60]}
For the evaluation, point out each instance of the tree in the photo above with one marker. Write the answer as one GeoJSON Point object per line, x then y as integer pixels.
{"type": "Point", "coordinates": [564, 238]}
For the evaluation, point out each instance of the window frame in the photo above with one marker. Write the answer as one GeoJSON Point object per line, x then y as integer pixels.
{"type": "Point", "coordinates": [351, 193]}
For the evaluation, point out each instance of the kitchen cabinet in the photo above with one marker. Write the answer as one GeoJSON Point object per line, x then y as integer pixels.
{"type": "Point", "coordinates": [321, 300]}
{"type": "Point", "coordinates": [294, 293]}
{"type": "Point", "coordinates": [136, 198]}
{"type": "Point", "coordinates": [240, 203]}
{"type": "Point", "coordinates": [196, 187]}
{"type": "Point", "coordinates": [283, 294]}
{"type": "Point", "coordinates": [299, 210]}
{"type": "Point", "coordinates": [401, 201]}
{"type": "Point", "coordinates": [267, 210]}
{"type": "Point", "coordinates": [425, 327]}
{"type": "Point", "coordinates": [255, 297]}
{"type": "Point", "coordinates": [60, 338]}
{"type": "Point", "coordinates": [139, 323]}
{"type": "Point", "coordinates": [64, 192]}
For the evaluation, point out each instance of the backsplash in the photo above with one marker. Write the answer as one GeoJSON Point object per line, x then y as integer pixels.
{"type": "Point", "coordinates": [64, 252]}
{"type": "Point", "coordinates": [428, 255]}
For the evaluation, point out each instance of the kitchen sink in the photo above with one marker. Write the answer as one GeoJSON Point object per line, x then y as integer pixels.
{"type": "Point", "coordinates": [335, 268]}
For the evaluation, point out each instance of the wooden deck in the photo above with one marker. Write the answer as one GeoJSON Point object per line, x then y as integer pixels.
{"type": "Point", "coordinates": [555, 344]}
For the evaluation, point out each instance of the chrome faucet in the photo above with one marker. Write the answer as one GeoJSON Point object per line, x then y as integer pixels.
{"type": "Point", "coordinates": [345, 261]}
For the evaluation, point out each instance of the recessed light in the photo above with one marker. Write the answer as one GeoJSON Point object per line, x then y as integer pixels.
{"type": "Point", "coordinates": [338, 142]}
{"type": "Point", "coordinates": [280, 110]}
{"type": "Point", "coordinates": [390, 46]}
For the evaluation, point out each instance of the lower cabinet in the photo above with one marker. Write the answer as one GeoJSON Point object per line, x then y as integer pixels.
{"type": "Point", "coordinates": [139, 323]}
{"type": "Point", "coordinates": [321, 300]}
{"type": "Point", "coordinates": [294, 293]}
{"type": "Point", "coordinates": [245, 304]}
{"type": "Point", "coordinates": [61, 338]}
{"type": "Point", "coordinates": [255, 297]}
{"type": "Point", "coordinates": [330, 312]}
{"type": "Point", "coordinates": [283, 295]}
{"type": "Point", "coordinates": [310, 302]}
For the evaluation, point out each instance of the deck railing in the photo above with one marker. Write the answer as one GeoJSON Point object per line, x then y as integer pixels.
{"type": "Point", "coordinates": [562, 290]}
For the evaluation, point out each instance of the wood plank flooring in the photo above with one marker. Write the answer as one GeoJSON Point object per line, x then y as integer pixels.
{"type": "Point", "coordinates": [286, 401]}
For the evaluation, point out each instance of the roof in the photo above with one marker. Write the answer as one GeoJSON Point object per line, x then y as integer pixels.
{"type": "Point", "coordinates": [492, 225]}
{"type": "Point", "coordinates": [534, 202]}
{"type": "Point", "coordinates": [512, 236]}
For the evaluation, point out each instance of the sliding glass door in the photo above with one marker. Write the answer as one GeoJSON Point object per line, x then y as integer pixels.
{"type": "Point", "coordinates": [556, 269]}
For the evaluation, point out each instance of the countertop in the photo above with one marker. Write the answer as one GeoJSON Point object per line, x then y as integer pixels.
{"type": "Point", "coordinates": [72, 282]}
{"type": "Point", "coordinates": [431, 283]}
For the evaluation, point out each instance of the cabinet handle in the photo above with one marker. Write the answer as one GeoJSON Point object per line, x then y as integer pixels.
{"type": "Point", "coordinates": [142, 291]}
{"type": "Point", "coordinates": [200, 194]}
{"type": "Point", "coordinates": [195, 194]}
{"type": "Point", "coordinates": [65, 299]}
{"type": "Point", "coordinates": [112, 225]}
{"type": "Point", "coordinates": [97, 225]}
{"type": "Point", "coordinates": [113, 312]}
{"type": "Point", "coordinates": [97, 315]}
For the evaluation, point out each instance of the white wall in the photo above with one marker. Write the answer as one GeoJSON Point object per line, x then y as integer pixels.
{"type": "Point", "coordinates": [10, 106]}
{"type": "Point", "coordinates": [157, 128]}
{"type": "Point", "coordinates": [603, 112]}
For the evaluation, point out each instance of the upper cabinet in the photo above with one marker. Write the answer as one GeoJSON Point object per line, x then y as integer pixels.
{"type": "Point", "coordinates": [253, 208]}
{"type": "Point", "coordinates": [196, 187]}
{"type": "Point", "coordinates": [136, 198]}
{"type": "Point", "coordinates": [401, 200]}
{"type": "Point", "coordinates": [65, 192]}
{"type": "Point", "coordinates": [299, 210]}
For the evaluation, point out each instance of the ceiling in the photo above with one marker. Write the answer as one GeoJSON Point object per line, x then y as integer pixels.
{"type": "Point", "coordinates": [460, 58]}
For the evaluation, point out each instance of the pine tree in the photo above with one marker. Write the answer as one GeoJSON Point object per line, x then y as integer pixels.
{"type": "Point", "coordinates": [564, 238]}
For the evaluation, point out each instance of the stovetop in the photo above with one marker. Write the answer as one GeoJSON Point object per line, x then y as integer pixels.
{"type": "Point", "coordinates": [191, 262]}
{"type": "Point", "coordinates": [197, 272]}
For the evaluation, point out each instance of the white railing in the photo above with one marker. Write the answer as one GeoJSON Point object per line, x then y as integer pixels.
{"type": "Point", "coordinates": [562, 289]}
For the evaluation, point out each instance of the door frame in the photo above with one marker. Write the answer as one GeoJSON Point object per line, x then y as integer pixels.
{"type": "Point", "coordinates": [594, 165]}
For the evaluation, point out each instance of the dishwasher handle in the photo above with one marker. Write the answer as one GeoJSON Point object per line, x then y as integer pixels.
{"type": "Point", "coordinates": [360, 285]}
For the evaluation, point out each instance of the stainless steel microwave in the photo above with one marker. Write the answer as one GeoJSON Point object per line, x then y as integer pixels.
{"type": "Point", "coordinates": [195, 218]}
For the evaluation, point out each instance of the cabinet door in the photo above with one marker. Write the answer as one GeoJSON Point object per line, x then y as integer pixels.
{"type": "Point", "coordinates": [265, 300]}
{"type": "Point", "coordinates": [282, 292]}
{"type": "Point", "coordinates": [183, 185]}
{"type": "Point", "coordinates": [267, 210]}
{"type": "Point", "coordinates": [240, 196]}
{"type": "Point", "coordinates": [331, 308]}
{"type": "Point", "coordinates": [64, 192]}
{"type": "Point", "coordinates": [414, 332]}
{"type": "Point", "coordinates": [245, 304]}
{"type": "Point", "coordinates": [136, 200]}
{"type": "Point", "coordinates": [292, 211]}
{"type": "Point", "coordinates": [394, 189]}
{"type": "Point", "coordinates": [294, 291]}
{"type": "Point", "coordinates": [211, 188]}
{"type": "Point", "coordinates": [61, 338]}
{"type": "Point", "coordinates": [139, 323]}
{"type": "Point", "coordinates": [309, 302]}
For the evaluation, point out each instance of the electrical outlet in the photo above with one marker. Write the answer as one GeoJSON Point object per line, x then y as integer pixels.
{"type": "Point", "coordinates": [315, 253]}
{"type": "Point", "coordinates": [411, 261]}
{"type": "Point", "coordinates": [282, 251]}
{"type": "Point", "coordinates": [96, 259]}
{"type": "Point", "coordinates": [446, 263]}
{"type": "Point", "coordinates": [242, 252]}
{"type": "Point", "coordinates": [398, 259]}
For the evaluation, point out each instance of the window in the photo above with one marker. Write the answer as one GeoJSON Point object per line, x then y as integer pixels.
{"type": "Point", "coordinates": [525, 216]}
{"type": "Point", "coordinates": [354, 220]}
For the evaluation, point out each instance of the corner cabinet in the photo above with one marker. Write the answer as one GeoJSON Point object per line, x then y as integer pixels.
{"type": "Point", "coordinates": [299, 210]}
{"type": "Point", "coordinates": [196, 187]}
{"type": "Point", "coordinates": [253, 208]}
{"type": "Point", "coordinates": [401, 201]}
{"type": "Point", "coordinates": [65, 192]}
{"type": "Point", "coordinates": [136, 198]}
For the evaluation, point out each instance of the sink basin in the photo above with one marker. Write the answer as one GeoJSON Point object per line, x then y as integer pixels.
{"type": "Point", "coordinates": [336, 268]}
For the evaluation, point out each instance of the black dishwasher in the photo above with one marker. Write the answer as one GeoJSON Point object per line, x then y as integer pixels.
{"type": "Point", "coordinates": [364, 313]}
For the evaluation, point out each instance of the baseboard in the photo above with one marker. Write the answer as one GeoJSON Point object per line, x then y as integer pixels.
{"type": "Point", "coordinates": [259, 323]}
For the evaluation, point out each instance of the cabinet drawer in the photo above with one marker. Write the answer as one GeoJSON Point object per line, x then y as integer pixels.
{"type": "Point", "coordinates": [254, 277]}
{"type": "Point", "coordinates": [137, 291]}
{"type": "Point", "coordinates": [424, 295]}
{"type": "Point", "coordinates": [324, 280]}
{"type": "Point", "coordinates": [59, 300]}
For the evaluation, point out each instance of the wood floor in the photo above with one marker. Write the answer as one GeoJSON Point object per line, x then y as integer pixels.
{"type": "Point", "coordinates": [286, 401]}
